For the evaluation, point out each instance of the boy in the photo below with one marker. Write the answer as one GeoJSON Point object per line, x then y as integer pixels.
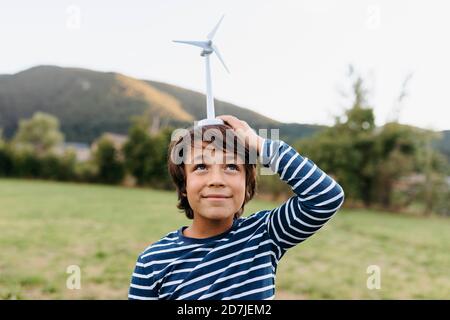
{"type": "Point", "coordinates": [222, 255]}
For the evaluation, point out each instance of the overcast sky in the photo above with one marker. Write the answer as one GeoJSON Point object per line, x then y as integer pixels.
{"type": "Point", "coordinates": [288, 59]}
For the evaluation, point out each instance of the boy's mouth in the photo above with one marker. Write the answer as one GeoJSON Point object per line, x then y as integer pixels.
{"type": "Point", "coordinates": [214, 196]}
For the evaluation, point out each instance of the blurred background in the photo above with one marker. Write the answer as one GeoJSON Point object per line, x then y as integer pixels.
{"type": "Point", "coordinates": [90, 93]}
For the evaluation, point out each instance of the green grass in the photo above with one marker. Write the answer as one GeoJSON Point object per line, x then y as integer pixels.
{"type": "Point", "coordinates": [47, 226]}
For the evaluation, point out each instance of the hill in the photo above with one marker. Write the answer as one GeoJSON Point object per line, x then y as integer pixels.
{"type": "Point", "coordinates": [88, 103]}
{"type": "Point", "coordinates": [194, 103]}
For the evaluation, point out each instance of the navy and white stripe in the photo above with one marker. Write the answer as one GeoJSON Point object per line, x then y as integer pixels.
{"type": "Point", "coordinates": [241, 263]}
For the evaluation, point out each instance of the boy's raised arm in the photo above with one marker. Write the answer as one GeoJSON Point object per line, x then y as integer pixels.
{"type": "Point", "coordinates": [317, 195]}
{"type": "Point", "coordinates": [317, 198]}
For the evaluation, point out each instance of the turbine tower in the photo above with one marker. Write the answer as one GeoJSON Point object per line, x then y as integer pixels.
{"type": "Point", "coordinates": [208, 48]}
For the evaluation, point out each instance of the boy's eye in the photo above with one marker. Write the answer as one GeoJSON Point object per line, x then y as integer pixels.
{"type": "Point", "coordinates": [199, 167]}
{"type": "Point", "coordinates": [232, 166]}
{"type": "Point", "coordinates": [202, 167]}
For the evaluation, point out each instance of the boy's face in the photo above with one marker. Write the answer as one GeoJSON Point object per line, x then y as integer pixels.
{"type": "Point", "coordinates": [215, 183]}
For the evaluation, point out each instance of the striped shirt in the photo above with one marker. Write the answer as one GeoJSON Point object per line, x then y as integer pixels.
{"type": "Point", "coordinates": [241, 263]}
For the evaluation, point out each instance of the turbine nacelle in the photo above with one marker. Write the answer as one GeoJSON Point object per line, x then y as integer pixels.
{"type": "Point", "coordinates": [208, 46]}
{"type": "Point", "coordinates": [208, 50]}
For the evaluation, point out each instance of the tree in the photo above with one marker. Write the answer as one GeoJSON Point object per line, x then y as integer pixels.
{"type": "Point", "coordinates": [160, 142]}
{"type": "Point", "coordinates": [434, 191]}
{"type": "Point", "coordinates": [146, 153]}
{"type": "Point", "coordinates": [139, 153]}
{"type": "Point", "coordinates": [347, 149]}
{"type": "Point", "coordinates": [6, 161]}
{"type": "Point", "coordinates": [396, 149]}
{"type": "Point", "coordinates": [39, 134]}
{"type": "Point", "coordinates": [366, 160]}
{"type": "Point", "coordinates": [110, 168]}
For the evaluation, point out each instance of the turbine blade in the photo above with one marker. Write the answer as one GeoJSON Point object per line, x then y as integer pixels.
{"type": "Point", "coordinates": [213, 32]}
{"type": "Point", "coordinates": [201, 44]}
{"type": "Point", "coordinates": [216, 50]}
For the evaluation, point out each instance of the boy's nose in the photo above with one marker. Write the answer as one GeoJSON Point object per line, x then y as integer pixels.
{"type": "Point", "coordinates": [216, 177]}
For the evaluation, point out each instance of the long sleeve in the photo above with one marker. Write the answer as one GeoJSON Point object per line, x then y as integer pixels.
{"type": "Point", "coordinates": [317, 195]}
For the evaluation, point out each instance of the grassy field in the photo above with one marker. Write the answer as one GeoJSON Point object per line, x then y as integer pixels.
{"type": "Point", "coordinates": [47, 226]}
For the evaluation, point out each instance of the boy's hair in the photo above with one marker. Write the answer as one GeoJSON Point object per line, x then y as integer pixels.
{"type": "Point", "coordinates": [177, 148]}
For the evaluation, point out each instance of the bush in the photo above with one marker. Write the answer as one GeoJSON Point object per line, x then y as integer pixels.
{"type": "Point", "coordinates": [86, 172]}
{"type": "Point", "coordinates": [26, 164]}
{"type": "Point", "coordinates": [110, 168]}
{"type": "Point", "coordinates": [6, 161]}
{"type": "Point", "coordinates": [146, 156]}
{"type": "Point", "coordinates": [273, 186]}
{"type": "Point", "coordinates": [58, 167]}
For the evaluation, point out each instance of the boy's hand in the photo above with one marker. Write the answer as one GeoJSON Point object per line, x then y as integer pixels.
{"type": "Point", "coordinates": [243, 131]}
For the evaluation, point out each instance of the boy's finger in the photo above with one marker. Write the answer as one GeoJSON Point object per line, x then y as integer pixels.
{"type": "Point", "coordinates": [227, 121]}
{"type": "Point", "coordinates": [227, 118]}
{"type": "Point", "coordinates": [231, 120]}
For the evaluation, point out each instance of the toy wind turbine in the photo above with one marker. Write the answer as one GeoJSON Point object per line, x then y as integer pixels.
{"type": "Point", "coordinates": [208, 48]}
